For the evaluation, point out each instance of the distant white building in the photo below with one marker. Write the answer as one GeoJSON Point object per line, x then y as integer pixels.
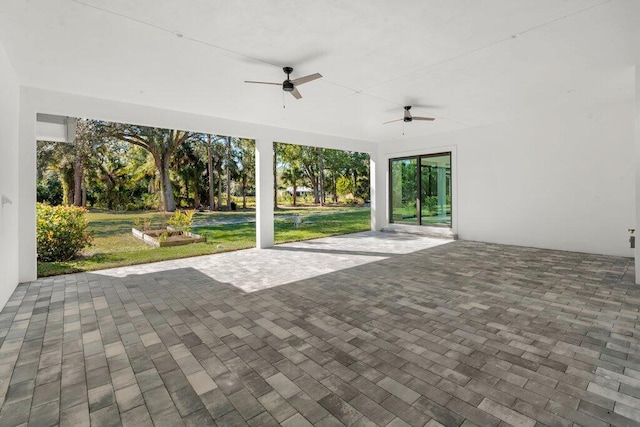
{"type": "Point", "coordinates": [300, 191]}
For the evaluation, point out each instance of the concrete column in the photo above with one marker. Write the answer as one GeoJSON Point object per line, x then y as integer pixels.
{"type": "Point", "coordinates": [264, 193]}
{"type": "Point", "coordinates": [378, 179]}
{"type": "Point", "coordinates": [27, 264]}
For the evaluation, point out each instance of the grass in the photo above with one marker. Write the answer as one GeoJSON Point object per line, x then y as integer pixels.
{"type": "Point", "coordinates": [114, 245]}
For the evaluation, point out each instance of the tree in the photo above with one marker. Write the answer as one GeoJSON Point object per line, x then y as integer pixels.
{"type": "Point", "coordinates": [336, 164]}
{"type": "Point", "coordinates": [211, 141]}
{"type": "Point", "coordinates": [143, 174]}
{"type": "Point", "coordinates": [291, 156]}
{"type": "Point", "coordinates": [247, 166]}
{"type": "Point", "coordinates": [321, 175]}
{"type": "Point", "coordinates": [190, 167]}
{"type": "Point", "coordinates": [228, 157]}
{"type": "Point", "coordinates": [309, 168]}
{"type": "Point", "coordinates": [89, 137]}
{"type": "Point", "coordinates": [293, 177]}
{"type": "Point", "coordinates": [112, 172]}
{"type": "Point", "coordinates": [216, 154]}
{"type": "Point", "coordinates": [276, 151]}
{"type": "Point", "coordinates": [60, 158]}
{"type": "Point", "coordinates": [162, 144]}
{"type": "Point", "coordinates": [358, 168]}
{"type": "Point", "coordinates": [344, 186]}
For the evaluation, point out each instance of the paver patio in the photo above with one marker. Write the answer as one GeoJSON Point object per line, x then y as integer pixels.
{"type": "Point", "coordinates": [366, 329]}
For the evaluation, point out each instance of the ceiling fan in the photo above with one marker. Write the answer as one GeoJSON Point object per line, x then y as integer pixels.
{"type": "Point", "coordinates": [409, 118]}
{"type": "Point", "coordinates": [289, 85]}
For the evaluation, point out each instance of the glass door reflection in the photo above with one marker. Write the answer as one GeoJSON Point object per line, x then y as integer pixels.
{"type": "Point", "coordinates": [421, 190]}
{"type": "Point", "coordinates": [435, 194]}
{"type": "Point", "coordinates": [404, 191]}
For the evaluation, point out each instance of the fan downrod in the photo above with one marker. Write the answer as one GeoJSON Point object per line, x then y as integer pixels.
{"type": "Point", "coordinates": [407, 117]}
{"type": "Point", "coordinates": [287, 85]}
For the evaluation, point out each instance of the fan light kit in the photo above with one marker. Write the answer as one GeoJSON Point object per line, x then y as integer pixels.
{"type": "Point", "coordinates": [289, 85]}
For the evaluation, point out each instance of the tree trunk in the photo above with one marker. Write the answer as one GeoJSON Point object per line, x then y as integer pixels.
{"type": "Point", "coordinates": [355, 183]}
{"type": "Point", "coordinates": [316, 190]}
{"type": "Point", "coordinates": [210, 169]}
{"type": "Point", "coordinates": [275, 175]}
{"type": "Point", "coordinates": [186, 187]}
{"type": "Point", "coordinates": [219, 170]}
{"type": "Point", "coordinates": [78, 176]}
{"type": "Point", "coordinates": [196, 193]}
{"type": "Point", "coordinates": [244, 192]}
{"type": "Point", "coordinates": [67, 186]}
{"type": "Point", "coordinates": [84, 194]}
{"type": "Point", "coordinates": [168, 202]}
{"type": "Point", "coordinates": [228, 173]}
{"type": "Point", "coordinates": [321, 176]}
{"type": "Point", "coordinates": [295, 194]}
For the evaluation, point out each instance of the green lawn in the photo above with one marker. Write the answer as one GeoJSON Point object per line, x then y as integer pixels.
{"type": "Point", "coordinates": [114, 245]}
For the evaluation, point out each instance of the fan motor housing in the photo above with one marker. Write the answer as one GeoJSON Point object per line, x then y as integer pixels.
{"type": "Point", "coordinates": [287, 86]}
{"type": "Point", "coordinates": [408, 119]}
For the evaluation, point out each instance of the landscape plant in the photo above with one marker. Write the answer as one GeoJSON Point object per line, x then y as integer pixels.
{"type": "Point", "coordinates": [182, 220]}
{"type": "Point", "coordinates": [61, 232]}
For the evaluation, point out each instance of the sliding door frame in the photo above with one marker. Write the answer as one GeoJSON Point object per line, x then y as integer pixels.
{"type": "Point", "coordinates": [419, 201]}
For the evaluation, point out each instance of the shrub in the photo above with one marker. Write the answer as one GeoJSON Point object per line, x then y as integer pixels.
{"type": "Point", "coordinates": [344, 186]}
{"type": "Point", "coordinates": [150, 201]}
{"type": "Point", "coordinates": [61, 232]}
{"type": "Point", "coordinates": [182, 220]}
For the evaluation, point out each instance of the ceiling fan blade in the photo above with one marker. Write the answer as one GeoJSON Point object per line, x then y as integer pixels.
{"type": "Point", "coordinates": [263, 83]}
{"type": "Point", "coordinates": [428, 119]}
{"type": "Point", "coordinates": [295, 93]}
{"type": "Point", "coordinates": [306, 79]}
{"type": "Point", "coordinates": [391, 121]}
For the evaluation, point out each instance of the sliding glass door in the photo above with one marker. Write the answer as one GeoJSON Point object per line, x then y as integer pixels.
{"type": "Point", "coordinates": [421, 190]}
{"type": "Point", "coordinates": [404, 190]}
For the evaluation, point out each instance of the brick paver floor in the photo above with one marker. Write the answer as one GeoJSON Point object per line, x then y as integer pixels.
{"type": "Point", "coordinates": [462, 333]}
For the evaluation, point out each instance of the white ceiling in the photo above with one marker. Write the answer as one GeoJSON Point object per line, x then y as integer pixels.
{"type": "Point", "coordinates": [466, 62]}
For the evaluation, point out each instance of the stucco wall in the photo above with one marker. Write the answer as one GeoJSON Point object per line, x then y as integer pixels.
{"type": "Point", "coordinates": [562, 179]}
{"type": "Point", "coordinates": [35, 100]}
{"type": "Point", "coordinates": [9, 109]}
{"type": "Point", "coordinates": [637, 165]}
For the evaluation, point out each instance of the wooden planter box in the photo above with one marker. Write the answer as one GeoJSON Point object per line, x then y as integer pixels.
{"type": "Point", "coordinates": [168, 237]}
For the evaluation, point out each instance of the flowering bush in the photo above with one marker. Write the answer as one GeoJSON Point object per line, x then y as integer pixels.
{"type": "Point", "coordinates": [61, 232]}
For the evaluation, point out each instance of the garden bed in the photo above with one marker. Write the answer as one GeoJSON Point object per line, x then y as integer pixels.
{"type": "Point", "coordinates": [161, 238]}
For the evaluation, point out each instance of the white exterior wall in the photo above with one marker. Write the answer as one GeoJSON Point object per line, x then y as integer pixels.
{"type": "Point", "coordinates": [637, 166]}
{"type": "Point", "coordinates": [9, 242]}
{"type": "Point", "coordinates": [560, 180]}
{"type": "Point", "coordinates": [33, 101]}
